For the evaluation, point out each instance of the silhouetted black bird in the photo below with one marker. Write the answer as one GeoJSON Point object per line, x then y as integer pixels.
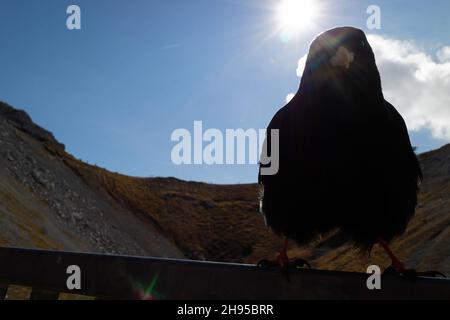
{"type": "Point", "coordinates": [346, 163]}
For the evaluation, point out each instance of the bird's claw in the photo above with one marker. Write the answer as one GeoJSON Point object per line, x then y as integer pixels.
{"type": "Point", "coordinates": [267, 264]}
{"type": "Point", "coordinates": [431, 274]}
{"type": "Point", "coordinates": [299, 263]}
{"type": "Point", "coordinates": [293, 264]}
{"type": "Point", "coordinates": [413, 274]}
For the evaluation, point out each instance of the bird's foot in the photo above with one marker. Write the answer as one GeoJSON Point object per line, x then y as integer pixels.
{"type": "Point", "coordinates": [285, 265]}
{"type": "Point", "coordinates": [398, 268]}
{"type": "Point", "coordinates": [284, 262]}
{"type": "Point", "coordinates": [291, 264]}
{"type": "Point", "coordinates": [283, 259]}
{"type": "Point", "coordinates": [411, 273]}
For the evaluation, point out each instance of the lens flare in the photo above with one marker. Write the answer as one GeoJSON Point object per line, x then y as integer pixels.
{"type": "Point", "coordinates": [147, 292]}
{"type": "Point", "coordinates": [296, 15]}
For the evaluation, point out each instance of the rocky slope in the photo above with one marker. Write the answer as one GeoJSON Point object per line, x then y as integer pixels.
{"type": "Point", "coordinates": [49, 199]}
{"type": "Point", "coordinates": [44, 204]}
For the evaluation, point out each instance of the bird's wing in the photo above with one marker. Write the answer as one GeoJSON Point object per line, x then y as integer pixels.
{"type": "Point", "coordinates": [279, 122]}
{"type": "Point", "coordinates": [400, 143]}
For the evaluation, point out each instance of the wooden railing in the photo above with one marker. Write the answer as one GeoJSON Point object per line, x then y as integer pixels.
{"type": "Point", "coordinates": [124, 277]}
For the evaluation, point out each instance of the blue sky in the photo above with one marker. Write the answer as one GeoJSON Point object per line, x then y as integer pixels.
{"type": "Point", "coordinates": [114, 91]}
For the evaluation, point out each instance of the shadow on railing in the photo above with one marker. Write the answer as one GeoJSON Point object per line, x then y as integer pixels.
{"type": "Point", "coordinates": [50, 273]}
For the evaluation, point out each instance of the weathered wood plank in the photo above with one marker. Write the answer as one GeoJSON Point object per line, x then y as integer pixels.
{"type": "Point", "coordinates": [42, 294]}
{"type": "Point", "coordinates": [123, 277]}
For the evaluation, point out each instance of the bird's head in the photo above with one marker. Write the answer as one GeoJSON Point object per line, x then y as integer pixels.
{"type": "Point", "coordinates": [339, 58]}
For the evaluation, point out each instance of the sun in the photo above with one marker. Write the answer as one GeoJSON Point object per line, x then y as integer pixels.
{"type": "Point", "coordinates": [296, 15]}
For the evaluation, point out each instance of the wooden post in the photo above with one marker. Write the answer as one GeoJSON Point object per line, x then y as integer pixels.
{"type": "Point", "coordinates": [3, 291]}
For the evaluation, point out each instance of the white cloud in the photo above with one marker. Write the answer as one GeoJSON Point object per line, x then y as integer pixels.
{"type": "Point", "coordinates": [444, 54]}
{"type": "Point", "coordinates": [289, 97]}
{"type": "Point", "coordinates": [301, 65]}
{"type": "Point", "coordinates": [300, 68]}
{"type": "Point", "coordinates": [414, 82]}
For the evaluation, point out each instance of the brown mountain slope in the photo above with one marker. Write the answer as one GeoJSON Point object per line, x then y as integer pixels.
{"type": "Point", "coordinates": [203, 221]}
{"type": "Point", "coordinates": [44, 204]}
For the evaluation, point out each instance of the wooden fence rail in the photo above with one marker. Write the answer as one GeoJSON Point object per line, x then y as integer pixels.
{"type": "Point", "coordinates": [125, 277]}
